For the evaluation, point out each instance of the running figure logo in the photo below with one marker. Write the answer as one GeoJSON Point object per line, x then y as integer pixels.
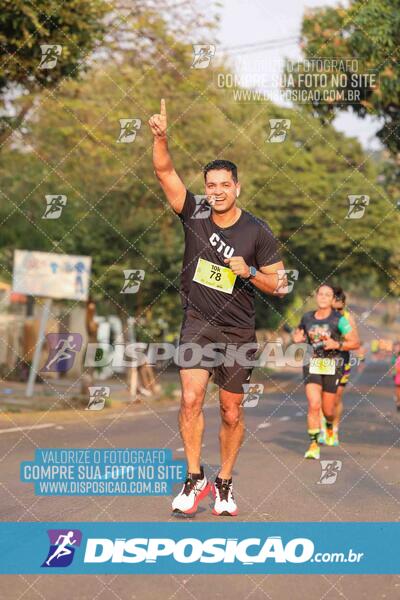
{"type": "Point", "coordinates": [330, 470]}
{"type": "Point", "coordinates": [202, 55]}
{"type": "Point", "coordinates": [62, 350]}
{"type": "Point", "coordinates": [203, 208]}
{"type": "Point", "coordinates": [50, 54]}
{"type": "Point", "coordinates": [133, 279]}
{"type": "Point", "coordinates": [357, 206]}
{"type": "Point", "coordinates": [97, 397]}
{"type": "Point", "coordinates": [54, 206]}
{"type": "Point", "coordinates": [286, 280]}
{"type": "Point", "coordinates": [62, 547]}
{"type": "Point", "coordinates": [252, 393]}
{"type": "Point", "coordinates": [128, 131]}
{"type": "Point", "coordinates": [279, 129]}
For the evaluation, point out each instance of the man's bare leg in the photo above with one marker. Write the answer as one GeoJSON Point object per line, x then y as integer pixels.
{"type": "Point", "coordinates": [191, 418]}
{"type": "Point", "coordinates": [338, 407]}
{"type": "Point", "coordinates": [231, 431]}
{"type": "Point", "coordinates": [328, 406]}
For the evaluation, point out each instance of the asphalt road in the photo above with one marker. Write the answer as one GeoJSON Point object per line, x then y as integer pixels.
{"type": "Point", "coordinates": [272, 483]}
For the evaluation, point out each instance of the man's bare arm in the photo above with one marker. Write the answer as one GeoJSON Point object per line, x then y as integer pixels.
{"type": "Point", "coordinates": [171, 183]}
{"type": "Point", "coordinates": [266, 279]}
{"type": "Point", "coordinates": [351, 340]}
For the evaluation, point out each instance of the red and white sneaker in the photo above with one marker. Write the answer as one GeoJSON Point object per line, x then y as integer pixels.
{"type": "Point", "coordinates": [225, 505]}
{"type": "Point", "coordinates": [195, 488]}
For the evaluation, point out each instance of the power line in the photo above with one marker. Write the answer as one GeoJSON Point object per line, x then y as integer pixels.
{"type": "Point", "coordinates": [262, 44]}
{"type": "Point", "coordinates": [261, 49]}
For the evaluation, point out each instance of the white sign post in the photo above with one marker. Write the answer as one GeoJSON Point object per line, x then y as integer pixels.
{"type": "Point", "coordinates": [53, 276]}
{"type": "Point", "coordinates": [38, 348]}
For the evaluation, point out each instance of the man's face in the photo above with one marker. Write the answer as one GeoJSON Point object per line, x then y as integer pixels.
{"type": "Point", "coordinates": [324, 296]}
{"type": "Point", "coordinates": [221, 190]}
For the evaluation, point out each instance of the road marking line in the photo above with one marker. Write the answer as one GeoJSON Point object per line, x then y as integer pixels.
{"type": "Point", "coordinates": [139, 413]}
{"type": "Point", "coordinates": [27, 428]}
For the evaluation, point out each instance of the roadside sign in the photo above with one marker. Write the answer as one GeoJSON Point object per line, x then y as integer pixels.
{"type": "Point", "coordinates": [56, 276]}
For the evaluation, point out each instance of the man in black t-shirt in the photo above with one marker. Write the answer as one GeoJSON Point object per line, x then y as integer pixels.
{"type": "Point", "coordinates": [228, 253]}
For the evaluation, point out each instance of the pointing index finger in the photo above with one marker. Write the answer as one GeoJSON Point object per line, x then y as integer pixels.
{"type": "Point", "coordinates": [163, 109]}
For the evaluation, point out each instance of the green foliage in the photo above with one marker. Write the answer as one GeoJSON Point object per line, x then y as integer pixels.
{"type": "Point", "coordinates": [117, 213]}
{"type": "Point", "coordinates": [368, 32]}
{"type": "Point", "coordinates": [77, 26]}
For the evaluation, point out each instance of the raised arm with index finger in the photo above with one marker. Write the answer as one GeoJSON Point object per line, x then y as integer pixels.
{"type": "Point", "coordinates": [171, 183]}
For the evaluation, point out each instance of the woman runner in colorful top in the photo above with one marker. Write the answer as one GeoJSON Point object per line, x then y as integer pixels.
{"type": "Point", "coordinates": [328, 333]}
{"type": "Point", "coordinates": [339, 304]}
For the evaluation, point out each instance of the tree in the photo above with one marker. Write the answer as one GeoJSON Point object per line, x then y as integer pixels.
{"type": "Point", "coordinates": [77, 26]}
{"type": "Point", "coordinates": [87, 32]}
{"type": "Point", "coordinates": [370, 33]}
{"type": "Point", "coordinates": [116, 211]}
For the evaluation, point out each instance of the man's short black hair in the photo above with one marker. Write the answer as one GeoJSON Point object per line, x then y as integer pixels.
{"type": "Point", "coordinates": [217, 165]}
{"type": "Point", "coordinates": [339, 294]}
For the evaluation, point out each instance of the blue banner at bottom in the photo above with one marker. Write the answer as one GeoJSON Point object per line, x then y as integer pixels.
{"type": "Point", "coordinates": [190, 547]}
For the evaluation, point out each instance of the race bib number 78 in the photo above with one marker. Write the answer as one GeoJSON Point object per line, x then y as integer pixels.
{"type": "Point", "coordinates": [214, 276]}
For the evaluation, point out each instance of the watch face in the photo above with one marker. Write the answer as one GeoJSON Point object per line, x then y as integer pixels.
{"type": "Point", "coordinates": [253, 271]}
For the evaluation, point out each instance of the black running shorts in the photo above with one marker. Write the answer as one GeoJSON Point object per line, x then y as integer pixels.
{"type": "Point", "coordinates": [229, 362]}
{"type": "Point", "coordinates": [329, 383]}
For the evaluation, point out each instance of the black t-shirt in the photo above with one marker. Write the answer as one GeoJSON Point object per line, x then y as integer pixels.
{"type": "Point", "coordinates": [249, 237]}
{"type": "Point", "coordinates": [319, 330]}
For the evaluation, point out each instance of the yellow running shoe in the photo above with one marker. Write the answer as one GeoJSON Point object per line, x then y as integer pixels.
{"type": "Point", "coordinates": [313, 451]}
{"type": "Point", "coordinates": [330, 437]}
